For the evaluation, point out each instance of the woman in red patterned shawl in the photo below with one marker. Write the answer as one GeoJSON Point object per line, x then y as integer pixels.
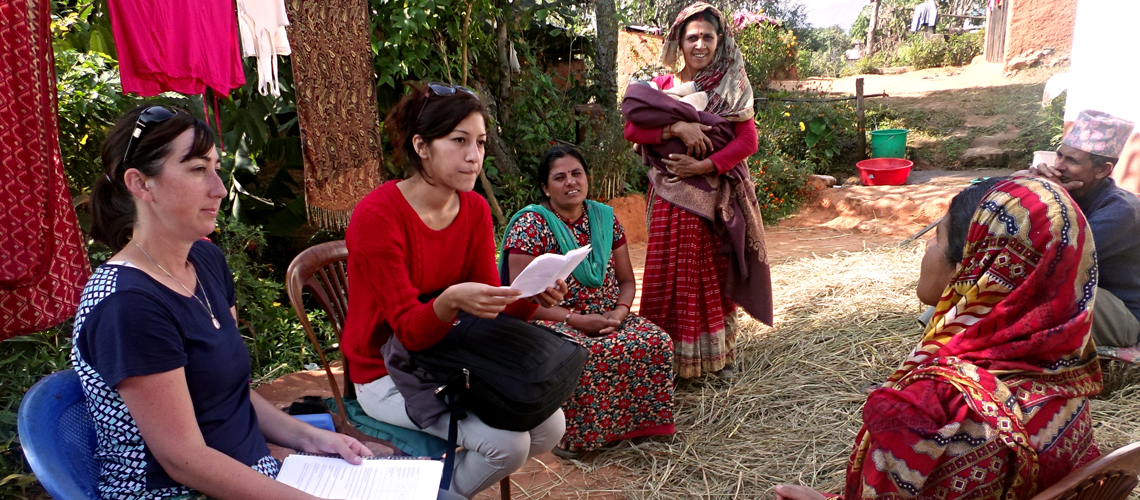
{"type": "Point", "coordinates": [993, 403]}
{"type": "Point", "coordinates": [706, 241]}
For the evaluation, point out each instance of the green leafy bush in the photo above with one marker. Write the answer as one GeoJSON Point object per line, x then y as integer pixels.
{"type": "Point", "coordinates": [24, 361]}
{"type": "Point", "coordinates": [820, 133]}
{"type": "Point", "coordinates": [768, 50]}
{"type": "Point", "coordinates": [779, 184]}
{"type": "Point", "coordinates": [277, 343]}
{"type": "Point", "coordinates": [952, 50]}
{"type": "Point", "coordinates": [90, 100]}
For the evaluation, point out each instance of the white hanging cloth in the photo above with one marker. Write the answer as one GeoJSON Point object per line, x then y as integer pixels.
{"type": "Point", "coordinates": [262, 26]}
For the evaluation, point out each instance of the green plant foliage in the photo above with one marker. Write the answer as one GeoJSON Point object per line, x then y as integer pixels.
{"type": "Point", "coordinates": [89, 102]}
{"type": "Point", "coordinates": [768, 50]}
{"type": "Point", "coordinates": [89, 94]}
{"type": "Point", "coordinates": [420, 39]}
{"type": "Point", "coordinates": [779, 184]}
{"type": "Point", "coordinates": [23, 361]}
{"type": "Point", "coordinates": [277, 343]}
{"type": "Point", "coordinates": [951, 50]}
{"type": "Point", "coordinates": [819, 133]}
{"type": "Point", "coordinates": [822, 52]}
{"type": "Point", "coordinates": [1045, 134]}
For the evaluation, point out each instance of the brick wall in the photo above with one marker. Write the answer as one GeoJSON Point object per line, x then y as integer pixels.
{"type": "Point", "coordinates": [635, 51]}
{"type": "Point", "coordinates": [1036, 24]}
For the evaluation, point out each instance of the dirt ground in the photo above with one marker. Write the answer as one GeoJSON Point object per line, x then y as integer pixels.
{"type": "Point", "coordinates": [921, 83]}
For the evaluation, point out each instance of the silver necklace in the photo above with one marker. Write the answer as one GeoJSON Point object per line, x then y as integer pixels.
{"type": "Point", "coordinates": [205, 305]}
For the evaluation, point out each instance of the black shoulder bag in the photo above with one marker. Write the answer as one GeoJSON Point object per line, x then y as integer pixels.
{"type": "Point", "coordinates": [511, 373]}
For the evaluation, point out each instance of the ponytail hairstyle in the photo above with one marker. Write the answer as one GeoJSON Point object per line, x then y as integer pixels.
{"type": "Point", "coordinates": [112, 204]}
{"type": "Point", "coordinates": [430, 115]}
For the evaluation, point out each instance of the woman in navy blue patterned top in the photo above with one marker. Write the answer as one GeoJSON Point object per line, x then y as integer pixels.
{"type": "Point", "coordinates": [164, 370]}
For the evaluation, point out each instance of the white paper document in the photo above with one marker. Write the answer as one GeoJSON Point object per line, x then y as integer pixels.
{"type": "Point", "coordinates": [378, 479]}
{"type": "Point", "coordinates": [546, 269]}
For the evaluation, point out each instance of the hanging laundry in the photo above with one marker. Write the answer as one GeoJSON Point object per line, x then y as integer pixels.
{"type": "Point", "coordinates": [183, 46]}
{"type": "Point", "coordinates": [335, 84]}
{"type": "Point", "coordinates": [262, 25]}
{"type": "Point", "coordinates": [43, 262]}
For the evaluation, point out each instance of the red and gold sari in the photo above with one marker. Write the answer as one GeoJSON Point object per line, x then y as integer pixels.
{"type": "Point", "coordinates": [993, 403]}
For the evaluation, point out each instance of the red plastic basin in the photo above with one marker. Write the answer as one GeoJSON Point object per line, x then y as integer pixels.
{"type": "Point", "coordinates": [884, 171]}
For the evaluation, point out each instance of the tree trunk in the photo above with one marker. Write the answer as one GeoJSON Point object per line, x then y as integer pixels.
{"type": "Point", "coordinates": [463, 43]}
{"type": "Point", "coordinates": [605, 55]}
{"type": "Point", "coordinates": [871, 27]}
{"type": "Point", "coordinates": [504, 45]}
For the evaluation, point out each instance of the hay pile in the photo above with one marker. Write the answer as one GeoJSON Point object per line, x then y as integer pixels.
{"type": "Point", "coordinates": [842, 322]}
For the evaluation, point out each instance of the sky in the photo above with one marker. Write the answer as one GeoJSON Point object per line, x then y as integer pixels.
{"type": "Point", "coordinates": [824, 13]}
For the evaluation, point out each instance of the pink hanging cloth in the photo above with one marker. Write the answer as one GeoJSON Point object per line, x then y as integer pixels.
{"type": "Point", "coordinates": [183, 46]}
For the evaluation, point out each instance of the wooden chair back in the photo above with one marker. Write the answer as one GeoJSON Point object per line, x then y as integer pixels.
{"type": "Point", "coordinates": [322, 270]}
{"type": "Point", "coordinates": [1109, 477]}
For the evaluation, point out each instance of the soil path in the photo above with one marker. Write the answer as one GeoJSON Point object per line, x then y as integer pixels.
{"type": "Point", "coordinates": [918, 83]}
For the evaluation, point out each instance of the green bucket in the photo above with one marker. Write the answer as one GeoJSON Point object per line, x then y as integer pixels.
{"type": "Point", "coordinates": [888, 143]}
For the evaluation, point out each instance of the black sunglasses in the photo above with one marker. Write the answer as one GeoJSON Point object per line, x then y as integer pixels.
{"type": "Point", "coordinates": [437, 88]}
{"type": "Point", "coordinates": [150, 116]}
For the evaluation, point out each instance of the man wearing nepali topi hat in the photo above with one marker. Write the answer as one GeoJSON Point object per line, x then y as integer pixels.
{"type": "Point", "coordinates": [1084, 165]}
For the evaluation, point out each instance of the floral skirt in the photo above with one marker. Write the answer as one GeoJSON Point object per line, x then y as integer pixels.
{"type": "Point", "coordinates": [626, 389]}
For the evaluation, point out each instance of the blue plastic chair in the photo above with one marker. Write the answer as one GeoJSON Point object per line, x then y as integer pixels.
{"type": "Point", "coordinates": [58, 438]}
{"type": "Point", "coordinates": [59, 441]}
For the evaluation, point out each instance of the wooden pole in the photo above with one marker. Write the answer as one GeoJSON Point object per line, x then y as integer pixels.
{"type": "Point", "coordinates": [861, 121]}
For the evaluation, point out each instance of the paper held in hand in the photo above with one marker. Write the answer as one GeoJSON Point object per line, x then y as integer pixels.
{"type": "Point", "coordinates": [375, 479]}
{"type": "Point", "coordinates": [546, 269]}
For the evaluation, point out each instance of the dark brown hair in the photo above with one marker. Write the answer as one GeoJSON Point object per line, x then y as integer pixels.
{"type": "Point", "coordinates": [112, 205]}
{"type": "Point", "coordinates": [961, 212]}
{"type": "Point", "coordinates": [439, 116]}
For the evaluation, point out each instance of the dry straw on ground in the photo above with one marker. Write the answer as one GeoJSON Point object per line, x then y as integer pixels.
{"type": "Point", "coordinates": [842, 322]}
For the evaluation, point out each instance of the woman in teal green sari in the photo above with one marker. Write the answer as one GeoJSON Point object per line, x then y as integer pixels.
{"type": "Point", "coordinates": [627, 386]}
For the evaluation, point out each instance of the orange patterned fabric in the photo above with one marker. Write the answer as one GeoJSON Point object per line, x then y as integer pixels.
{"type": "Point", "coordinates": [993, 403]}
{"type": "Point", "coordinates": [336, 106]}
{"type": "Point", "coordinates": [43, 263]}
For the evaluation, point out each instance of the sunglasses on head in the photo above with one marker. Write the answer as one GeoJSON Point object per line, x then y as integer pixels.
{"type": "Point", "coordinates": [150, 116]}
{"type": "Point", "coordinates": [436, 88]}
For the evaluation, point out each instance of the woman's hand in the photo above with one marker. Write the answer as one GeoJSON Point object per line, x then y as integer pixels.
{"type": "Point", "coordinates": [594, 325]}
{"type": "Point", "coordinates": [484, 301]}
{"type": "Point", "coordinates": [324, 442]}
{"type": "Point", "coordinates": [618, 314]}
{"type": "Point", "coordinates": [797, 492]}
{"type": "Point", "coordinates": [682, 166]}
{"type": "Point", "coordinates": [693, 135]}
{"type": "Point", "coordinates": [552, 296]}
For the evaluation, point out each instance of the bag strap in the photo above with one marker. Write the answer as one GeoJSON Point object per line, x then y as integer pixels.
{"type": "Point", "coordinates": [457, 414]}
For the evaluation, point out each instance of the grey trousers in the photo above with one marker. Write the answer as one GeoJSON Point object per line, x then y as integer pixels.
{"type": "Point", "coordinates": [1113, 324]}
{"type": "Point", "coordinates": [488, 454]}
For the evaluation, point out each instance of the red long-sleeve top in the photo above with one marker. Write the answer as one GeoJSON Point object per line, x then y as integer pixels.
{"type": "Point", "coordinates": [394, 258]}
{"type": "Point", "coordinates": [741, 147]}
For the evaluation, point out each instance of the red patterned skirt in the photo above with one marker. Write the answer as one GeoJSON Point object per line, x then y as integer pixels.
{"type": "Point", "coordinates": [681, 289]}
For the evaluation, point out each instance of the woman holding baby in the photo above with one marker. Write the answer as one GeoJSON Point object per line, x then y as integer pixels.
{"type": "Point", "coordinates": [706, 252]}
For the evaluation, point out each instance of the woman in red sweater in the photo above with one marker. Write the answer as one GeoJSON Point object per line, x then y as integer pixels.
{"type": "Point", "coordinates": [421, 250]}
{"type": "Point", "coordinates": [692, 284]}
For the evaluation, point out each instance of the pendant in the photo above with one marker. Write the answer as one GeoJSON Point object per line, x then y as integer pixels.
{"type": "Point", "coordinates": [217, 324]}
